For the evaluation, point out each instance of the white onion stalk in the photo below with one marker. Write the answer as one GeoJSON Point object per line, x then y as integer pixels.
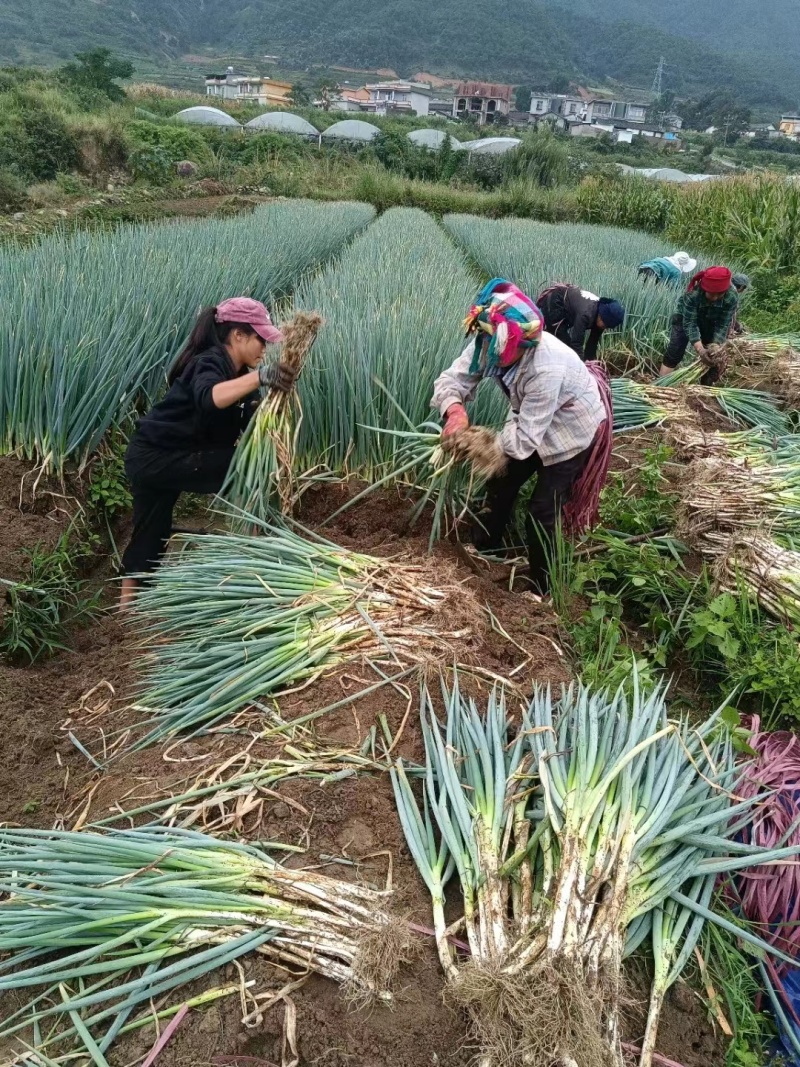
{"type": "Point", "coordinates": [599, 824]}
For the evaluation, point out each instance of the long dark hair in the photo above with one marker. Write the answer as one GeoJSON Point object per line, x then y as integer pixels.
{"type": "Point", "coordinates": [207, 333]}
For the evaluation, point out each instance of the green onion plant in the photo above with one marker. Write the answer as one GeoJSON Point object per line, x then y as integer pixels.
{"type": "Point", "coordinates": [115, 919]}
{"type": "Point", "coordinates": [596, 827]}
{"type": "Point", "coordinates": [93, 320]}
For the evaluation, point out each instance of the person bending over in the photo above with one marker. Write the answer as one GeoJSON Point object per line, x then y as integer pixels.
{"type": "Point", "coordinates": [185, 443]}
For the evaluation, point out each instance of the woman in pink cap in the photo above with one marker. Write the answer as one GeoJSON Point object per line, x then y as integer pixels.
{"type": "Point", "coordinates": [185, 443]}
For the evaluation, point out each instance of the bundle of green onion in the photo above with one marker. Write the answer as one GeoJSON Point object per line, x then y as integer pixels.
{"type": "Point", "coordinates": [772, 362]}
{"type": "Point", "coordinates": [726, 496]}
{"type": "Point", "coordinates": [755, 447]}
{"type": "Point", "coordinates": [448, 477]}
{"type": "Point", "coordinates": [232, 618]}
{"type": "Point", "coordinates": [770, 345]}
{"type": "Point", "coordinates": [637, 405]}
{"type": "Point", "coordinates": [261, 478]}
{"type": "Point", "coordinates": [97, 924]}
{"type": "Point", "coordinates": [749, 407]}
{"type": "Point", "coordinates": [597, 826]}
{"type": "Point", "coordinates": [634, 406]}
{"type": "Point", "coordinates": [770, 573]}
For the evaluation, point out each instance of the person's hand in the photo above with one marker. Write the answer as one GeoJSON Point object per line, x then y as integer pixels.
{"type": "Point", "coordinates": [455, 419]}
{"type": "Point", "coordinates": [278, 376]}
{"type": "Point", "coordinates": [699, 348]}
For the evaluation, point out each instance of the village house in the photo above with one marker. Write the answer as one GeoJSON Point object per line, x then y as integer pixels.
{"type": "Point", "coordinates": [481, 102]}
{"type": "Point", "coordinates": [584, 107]}
{"type": "Point", "coordinates": [266, 92]}
{"type": "Point", "coordinates": [790, 125]}
{"type": "Point", "coordinates": [409, 97]}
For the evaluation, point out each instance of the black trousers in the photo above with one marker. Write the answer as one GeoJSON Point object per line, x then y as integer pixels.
{"type": "Point", "coordinates": [679, 342]}
{"type": "Point", "coordinates": [158, 478]}
{"type": "Point", "coordinates": [552, 491]}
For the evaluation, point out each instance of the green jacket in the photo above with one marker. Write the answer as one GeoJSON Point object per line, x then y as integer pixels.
{"type": "Point", "coordinates": [706, 321]}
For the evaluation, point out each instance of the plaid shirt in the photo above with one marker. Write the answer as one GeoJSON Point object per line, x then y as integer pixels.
{"type": "Point", "coordinates": [555, 403]}
{"type": "Point", "coordinates": [706, 321]}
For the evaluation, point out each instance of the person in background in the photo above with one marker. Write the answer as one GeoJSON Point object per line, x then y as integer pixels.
{"type": "Point", "coordinates": [702, 319]}
{"type": "Point", "coordinates": [570, 313]}
{"type": "Point", "coordinates": [740, 283]}
{"type": "Point", "coordinates": [185, 443]}
{"type": "Point", "coordinates": [668, 269]}
{"type": "Point", "coordinates": [558, 427]}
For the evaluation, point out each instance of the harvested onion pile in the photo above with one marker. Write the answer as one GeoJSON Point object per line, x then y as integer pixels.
{"type": "Point", "coordinates": [231, 619]}
{"type": "Point", "coordinates": [596, 827]}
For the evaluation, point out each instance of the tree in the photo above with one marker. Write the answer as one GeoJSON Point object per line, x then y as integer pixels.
{"type": "Point", "coordinates": [98, 69]}
{"type": "Point", "coordinates": [302, 95]}
{"type": "Point", "coordinates": [522, 98]}
{"type": "Point", "coordinates": [325, 88]}
{"type": "Point", "coordinates": [559, 83]}
{"type": "Point", "coordinates": [720, 109]}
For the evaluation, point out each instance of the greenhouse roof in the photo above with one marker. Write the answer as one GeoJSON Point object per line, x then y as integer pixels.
{"type": "Point", "coordinates": [667, 174]}
{"type": "Point", "coordinates": [283, 121]}
{"type": "Point", "coordinates": [207, 116]}
{"type": "Point", "coordinates": [433, 139]}
{"type": "Point", "coordinates": [352, 130]}
{"type": "Point", "coordinates": [492, 146]}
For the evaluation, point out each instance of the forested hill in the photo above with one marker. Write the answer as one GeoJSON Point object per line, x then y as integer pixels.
{"type": "Point", "coordinates": [709, 44]}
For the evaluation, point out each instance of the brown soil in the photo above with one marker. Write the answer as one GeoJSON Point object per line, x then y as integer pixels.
{"type": "Point", "coordinates": [349, 828]}
{"type": "Point", "coordinates": [27, 520]}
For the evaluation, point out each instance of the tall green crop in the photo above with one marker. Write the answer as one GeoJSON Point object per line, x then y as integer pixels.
{"type": "Point", "coordinates": [393, 306]}
{"type": "Point", "coordinates": [92, 320]}
{"type": "Point", "coordinates": [598, 258]}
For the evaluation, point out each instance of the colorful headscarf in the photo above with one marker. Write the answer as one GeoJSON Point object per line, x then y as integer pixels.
{"type": "Point", "coordinates": [508, 319]}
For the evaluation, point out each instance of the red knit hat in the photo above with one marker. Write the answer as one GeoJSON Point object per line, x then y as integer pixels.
{"type": "Point", "coordinates": [712, 280]}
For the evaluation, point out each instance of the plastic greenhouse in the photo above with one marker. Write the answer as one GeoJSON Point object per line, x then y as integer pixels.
{"type": "Point", "coordinates": [492, 146]}
{"type": "Point", "coordinates": [283, 122]}
{"type": "Point", "coordinates": [207, 116]}
{"type": "Point", "coordinates": [434, 139]}
{"type": "Point", "coordinates": [351, 130]}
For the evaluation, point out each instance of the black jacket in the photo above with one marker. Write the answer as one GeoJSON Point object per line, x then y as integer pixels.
{"type": "Point", "coordinates": [570, 315]}
{"type": "Point", "coordinates": [187, 419]}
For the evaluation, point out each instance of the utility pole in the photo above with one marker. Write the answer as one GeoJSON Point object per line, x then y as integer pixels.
{"type": "Point", "coordinates": [657, 80]}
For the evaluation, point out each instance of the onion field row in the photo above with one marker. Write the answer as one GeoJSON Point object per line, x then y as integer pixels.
{"type": "Point", "coordinates": [92, 321]}
{"type": "Point", "coordinates": [601, 259]}
{"type": "Point", "coordinates": [393, 305]}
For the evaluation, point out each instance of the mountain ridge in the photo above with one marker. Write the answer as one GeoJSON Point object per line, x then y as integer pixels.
{"type": "Point", "coordinates": [529, 45]}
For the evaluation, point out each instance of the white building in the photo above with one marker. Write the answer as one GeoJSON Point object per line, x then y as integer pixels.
{"type": "Point", "coordinates": [589, 109]}
{"type": "Point", "coordinates": [410, 97]}
{"type": "Point", "coordinates": [254, 90]}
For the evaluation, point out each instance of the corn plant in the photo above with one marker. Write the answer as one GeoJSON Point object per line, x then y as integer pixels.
{"type": "Point", "coordinates": [93, 320]}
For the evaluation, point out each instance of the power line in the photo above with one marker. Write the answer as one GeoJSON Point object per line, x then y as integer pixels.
{"type": "Point", "coordinates": [657, 80]}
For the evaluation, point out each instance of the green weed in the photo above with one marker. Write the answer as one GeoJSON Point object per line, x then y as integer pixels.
{"type": "Point", "coordinates": [108, 486]}
{"type": "Point", "coordinates": [733, 977]}
{"type": "Point", "coordinates": [39, 608]}
{"type": "Point", "coordinates": [644, 504]}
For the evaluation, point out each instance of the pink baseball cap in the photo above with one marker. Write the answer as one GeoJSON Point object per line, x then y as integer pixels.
{"type": "Point", "coordinates": [243, 309]}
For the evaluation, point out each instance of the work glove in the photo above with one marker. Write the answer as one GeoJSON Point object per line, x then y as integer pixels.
{"type": "Point", "coordinates": [455, 419]}
{"type": "Point", "coordinates": [277, 375]}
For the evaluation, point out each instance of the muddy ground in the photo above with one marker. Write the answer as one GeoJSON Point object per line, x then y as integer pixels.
{"type": "Point", "coordinates": [348, 828]}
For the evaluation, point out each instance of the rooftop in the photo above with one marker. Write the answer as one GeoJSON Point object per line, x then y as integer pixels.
{"type": "Point", "coordinates": [487, 89]}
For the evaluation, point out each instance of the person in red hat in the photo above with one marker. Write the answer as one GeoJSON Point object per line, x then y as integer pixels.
{"type": "Point", "coordinates": [703, 318]}
{"type": "Point", "coordinates": [185, 443]}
